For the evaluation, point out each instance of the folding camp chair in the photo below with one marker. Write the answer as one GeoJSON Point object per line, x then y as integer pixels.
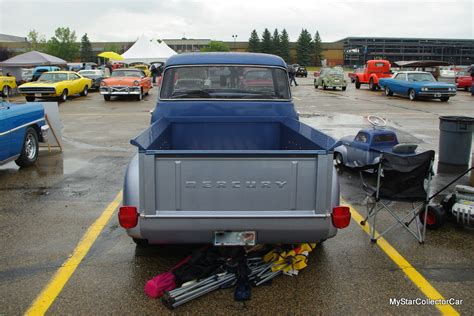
{"type": "Point", "coordinates": [402, 179]}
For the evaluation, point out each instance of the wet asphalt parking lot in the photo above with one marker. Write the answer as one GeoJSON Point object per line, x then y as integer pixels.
{"type": "Point", "coordinates": [46, 209]}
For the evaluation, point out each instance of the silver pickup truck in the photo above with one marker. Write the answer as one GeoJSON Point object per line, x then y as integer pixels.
{"type": "Point", "coordinates": [226, 161]}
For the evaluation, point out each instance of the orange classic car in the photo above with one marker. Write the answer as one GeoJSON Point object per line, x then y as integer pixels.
{"type": "Point", "coordinates": [126, 81]}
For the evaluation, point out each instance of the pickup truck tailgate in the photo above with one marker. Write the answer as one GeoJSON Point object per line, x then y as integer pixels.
{"type": "Point", "coordinates": [239, 183]}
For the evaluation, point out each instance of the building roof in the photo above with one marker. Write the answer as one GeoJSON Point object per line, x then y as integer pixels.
{"type": "Point", "coordinates": [404, 38]}
{"type": "Point", "coordinates": [11, 38]}
{"type": "Point", "coordinates": [225, 58]}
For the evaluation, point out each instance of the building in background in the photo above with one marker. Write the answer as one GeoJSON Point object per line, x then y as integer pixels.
{"type": "Point", "coordinates": [357, 50]}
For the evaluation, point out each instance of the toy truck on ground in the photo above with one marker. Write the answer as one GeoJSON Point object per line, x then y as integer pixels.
{"type": "Point", "coordinates": [229, 163]}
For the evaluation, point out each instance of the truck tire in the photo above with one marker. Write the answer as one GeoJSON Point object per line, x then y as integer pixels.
{"type": "Point", "coordinates": [106, 97]}
{"type": "Point", "coordinates": [372, 85]}
{"type": "Point", "coordinates": [324, 86]}
{"type": "Point", "coordinates": [343, 88]}
{"type": "Point", "coordinates": [30, 149]}
{"type": "Point", "coordinates": [30, 98]}
{"type": "Point", "coordinates": [141, 242]}
{"type": "Point", "coordinates": [444, 99]}
{"type": "Point", "coordinates": [357, 83]}
{"type": "Point", "coordinates": [412, 95]}
{"type": "Point", "coordinates": [388, 92]}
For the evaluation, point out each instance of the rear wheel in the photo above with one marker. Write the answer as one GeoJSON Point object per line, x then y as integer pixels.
{"type": "Point", "coordinates": [357, 83]}
{"type": "Point", "coordinates": [435, 218]}
{"type": "Point", "coordinates": [324, 86]}
{"type": "Point", "coordinates": [106, 97]}
{"type": "Point", "coordinates": [29, 152]}
{"type": "Point", "coordinates": [388, 92]}
{"type": "Point", "coordinates": [412, 95]}
{"type": "Point", "coordinates": [30, 98]}
{"type": "Point", "coordinates": [444, 99]}
{"type": "Point", "coordinates": [372, 85]}
{"type": "Point", "coordinates": [85, 91]}
{"type": "Point", "coordinates": [466, 88]}
{"type": "Point", "coordinates": [343, 88]}
{"type": "Point", "coordinates": [141, 242]}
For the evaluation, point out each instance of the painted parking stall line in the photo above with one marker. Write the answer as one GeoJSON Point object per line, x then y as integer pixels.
{"type": "Point", "coordinates": [416, 277]}
{"type": "Point", "coordinates": [49, 293]}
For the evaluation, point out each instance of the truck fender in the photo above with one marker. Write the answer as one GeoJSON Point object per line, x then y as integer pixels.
{"type": "Point", "coordinates": [131, 192]}
{"type": "Point", "coordinates": [374, 78]}
{"type": "Point", "coordinates": [343, 151]}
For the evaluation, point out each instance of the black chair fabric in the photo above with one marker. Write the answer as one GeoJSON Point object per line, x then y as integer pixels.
{"type": "Point", "coordinates": [403, 177]}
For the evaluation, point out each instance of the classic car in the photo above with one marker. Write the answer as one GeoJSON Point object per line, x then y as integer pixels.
{"type": "Point", "coordinates": [257, 79]}
{"type": "Point", "coordinates": [228, 165]}
{"type": "Point", "coordinates": [126, 81]}
{"type": "Point", "coordinates": [463, 80]}
{"type": "Point", "coordinates": [95, 75]}
{"type": "Point", "coordinates": [7, 84]}
{"type": "Point", "coordinates": [143, 67]}
{"type": "Point", "coordinates": [330, 77]}
{"type": "Point", "coordinates": [301, 72]}
{"type": "Point", "coordinates": [57, 84]}
{"type": "Point", "coordinates": [37, 71]}
{"type": "Point", "coordinates": [22, 126]}
{"type": "Point", "coordinates": [417, 84]}
{"type": "Point", "coordinates": [373, 71]}
{"type": "Point", "coordinates": [366, 147]}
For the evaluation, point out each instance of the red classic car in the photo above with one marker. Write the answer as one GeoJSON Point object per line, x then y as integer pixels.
{"type": "Point", "coordinates": [126, 81]}
{"type": "Point", "coordinates": [463, 80]}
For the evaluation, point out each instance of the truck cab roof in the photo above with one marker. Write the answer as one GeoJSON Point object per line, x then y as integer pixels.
{"type": "Point", "coordinates": [225, 59]}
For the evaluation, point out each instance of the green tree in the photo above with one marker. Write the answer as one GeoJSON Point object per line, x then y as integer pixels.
{"type": "Point", "coordinates": [266, 45]}
{"type": "Point", "coordinates": [36, 41]}
{"type": "Point", "coordinates": [5, 53]}
{"type": "Point", "coordinates": [63, 44]}
{"type": "Point", "coordinates": [317, 49]}
{"type": "Point", "coordinates": [285, 46]}
{"type": "Point", "coordinates": [276, 43]}
{"type": "Point", "coordinates": [86, 49]}
{"type": "Point", "coordinates": [304, 48]}
{"type": "Point", "coordinates": [254, 42]}
{"type": "Point", "coordinates": [216, 46]}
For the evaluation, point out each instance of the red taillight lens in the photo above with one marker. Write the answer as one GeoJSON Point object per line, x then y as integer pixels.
{"type": "Point", "coordinates": [341, 216]}
{"type": "Point", "coordinates": [128, 216]}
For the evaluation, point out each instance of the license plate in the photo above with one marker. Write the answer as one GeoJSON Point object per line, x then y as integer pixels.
{"type": "Point", "coordinates": [227, 238]}
{"type": "Point", "coordinates": [437, 95]}
{"type": "Point", "coordinates": [38, 95]}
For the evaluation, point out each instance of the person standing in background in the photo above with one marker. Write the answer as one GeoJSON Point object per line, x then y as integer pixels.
{"type": "Point", "coordinates": [154, 72]}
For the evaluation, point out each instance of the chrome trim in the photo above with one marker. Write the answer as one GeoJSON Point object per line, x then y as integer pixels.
{"type": "Point", "coordinates": [21, 126]}
{"type": "Point", "coordinates": [236, 214]}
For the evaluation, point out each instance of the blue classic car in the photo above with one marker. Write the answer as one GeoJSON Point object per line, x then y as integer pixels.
{"type": "Point", "coordinates": [22, 126]}
{"type": "Point", "coordinates": [366, 147]}
{"type": "Point", "coordinates": [417, 84]}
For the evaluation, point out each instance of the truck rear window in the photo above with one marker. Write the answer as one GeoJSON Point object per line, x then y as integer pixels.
{"type": "Point", "coordinates": [384, 138]}
{"type": "Point", "coordinates": [225, 82]}
{"type": "Point", "coordinates": [379, 64]}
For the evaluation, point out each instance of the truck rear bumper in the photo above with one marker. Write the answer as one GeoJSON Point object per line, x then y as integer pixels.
{"type": "Point", "coordinates": [287, 227]}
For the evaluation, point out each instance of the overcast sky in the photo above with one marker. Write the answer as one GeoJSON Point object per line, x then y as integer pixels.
{"type": "Point", "coordinates": [125, 20]}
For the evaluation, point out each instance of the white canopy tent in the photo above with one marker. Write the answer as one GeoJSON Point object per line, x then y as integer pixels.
{"type": "Point", "coordinates": [147, 50]}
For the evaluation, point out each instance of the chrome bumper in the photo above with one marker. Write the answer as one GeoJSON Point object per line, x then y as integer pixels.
{"type": "Point", "coordinates": [120, 91]}
{"type": "Point", "coordinates": [436, 94]}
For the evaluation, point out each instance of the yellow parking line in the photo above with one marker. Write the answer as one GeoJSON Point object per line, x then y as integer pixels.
{"type": "Point", "coordinates": [415, 276]}
{"type": "Point", "coordinates": [64, 273]}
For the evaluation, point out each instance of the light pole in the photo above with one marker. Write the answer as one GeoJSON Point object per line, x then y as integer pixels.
{"type": "Point", "coordinates": [234, 36]}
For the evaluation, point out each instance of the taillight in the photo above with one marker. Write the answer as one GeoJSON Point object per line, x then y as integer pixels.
{"type": "Point", "coordinates": [341, 216]}
{"type": "Point", "coordinates": [128, 216]}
